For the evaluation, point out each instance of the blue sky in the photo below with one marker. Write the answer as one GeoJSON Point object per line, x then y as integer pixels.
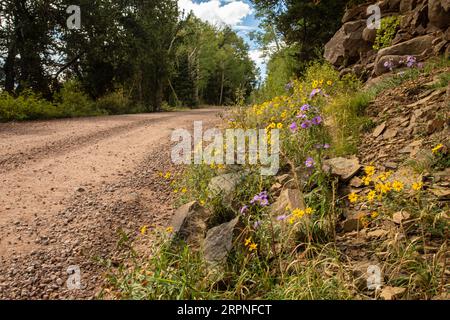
{"type": "Point", "coordinates": [239, 14]}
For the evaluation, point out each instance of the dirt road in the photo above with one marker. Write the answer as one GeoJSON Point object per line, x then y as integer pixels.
{"type": "Point", "coordinates": [68, 186]}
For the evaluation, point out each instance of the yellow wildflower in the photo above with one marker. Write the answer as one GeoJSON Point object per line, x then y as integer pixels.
{"type": "Point", "coordinates": [329, 82]}
{"type": "Point", "coordinates": [253, 247]}
{"type": "Point", "coordinates": [169, 229]}
{"type": "Point", "coordinates": [248, 241]}
{"type": "Point", "coordinates": [184, 190]}
{"type": "Point", "coordinates": [397, 186]}
{"type": "Point", "coordinates": [308, 210]}
{"type": "Point", "coordinates": [367, 180]}
{"type": "Point", "coordinates": [369, 170]}
{"type": "Point", "coordinates": [417, 186]}
{"type": "Point", "coordinates": [280, 126]}
{"type": "Point", "coordinates": [175, 191]}
{"type": "Point", "coordinates": [291, 220]}
{"type": "Point", "coordinates": [374, 215]}
{"type": "Point", "coordinates": [353, 197]}
{"type": "Point", "coordinates": [144, 230]}
{"type": "Point", "coordinates": [437, 148]}
{"type": "Point", "coordinates": [371, 196]}
{"type": "Point", "coordinates": [298, 213]}
{"type": "Point", "coordinates": [202, 202]}
{"type": "Point", "coordinates": [167, 175]}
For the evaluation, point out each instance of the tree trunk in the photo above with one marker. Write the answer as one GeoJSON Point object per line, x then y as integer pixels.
{"type": "Point", "coordinates": [9, 69]}
{"type": "Point", "coordinates": [221, 84]}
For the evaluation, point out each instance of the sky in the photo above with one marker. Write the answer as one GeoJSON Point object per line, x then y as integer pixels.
{"type": "Point", "coordinates": [238, 14]}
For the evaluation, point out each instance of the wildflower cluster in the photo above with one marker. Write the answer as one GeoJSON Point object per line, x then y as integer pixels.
{"type": "Point", "coordinates": [250, 245]}
{"type": "Point", "coordinates": [379, 187]}
{"type": "Point", "coordinates": [410, 62]}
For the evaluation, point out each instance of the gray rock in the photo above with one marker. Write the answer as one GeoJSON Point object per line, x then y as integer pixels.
{"type": "Point", "coordinates": [379, 130]}
{"type": "Point", "coordinates": [413, 47]}
{"type": "Point", "coordinates": [190, 223]}
{"type": "Point", "coordinates": [219, 242]}
{"type": "Point", "coordinates": [289, 198]}
{"type": "Point", "coordinates": [347, 43]}
{"type": "Point", "coordinates": [344, 168]}
{"type": "Point", "coordinates": [225, 185]}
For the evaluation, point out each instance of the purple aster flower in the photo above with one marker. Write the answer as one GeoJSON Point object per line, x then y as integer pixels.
{"type": "Point", "coordinates": [293, 127]}
{"type": "Point", "coordinates": [257, 224]}
{"type": "Point", "coordinates": [301, 116]}
{"type": "Point", "coordinates": [261, 199]}
{"type": "Point", "coordinates": [317, 120]}
{"type": "Point", "coordinates": [305, 107]}
{"type": "Point", "coordinates": [389, 64]}
{"type": "Point", "coordinates": [420, 65]}
{"type": "Point", "coordinates": [244, 209]}
{"type": "Point", "coordinates": [411, 61]}
{"type": "Point", "coordinates": [309, 162]}
{"type": "Point", "coordinates": [314, 93]}
{"type": "Point", "coordinates": [326, 146]}
{"type": "Point", "coordinates": [306, 124]}
{"type": "Point", "coordinates": [289, 86]}
{"type": "Point", "coordinates": [282, 217]}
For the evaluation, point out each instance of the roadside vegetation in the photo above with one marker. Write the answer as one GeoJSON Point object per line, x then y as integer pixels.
{"type": "Point", "coordinates": [299, 254]}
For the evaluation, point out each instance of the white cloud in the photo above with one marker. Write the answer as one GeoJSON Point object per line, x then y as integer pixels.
{"type": "Point", "coordinates": [231, 13]}
{"type": "Point", "coordinates": [261, 62]}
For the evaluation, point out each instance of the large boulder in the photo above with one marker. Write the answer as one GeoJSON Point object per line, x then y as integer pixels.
{"type": "Point", "coordinates": [219, 241]}
{"type": "Point", "coordinates": [414, 47]}
{"type": "Point", "coordinates": [190, 223]}
{"type": "Point", "coordinates": [439, 13]}
{"type": "Point", "coordinates": [347, 44]}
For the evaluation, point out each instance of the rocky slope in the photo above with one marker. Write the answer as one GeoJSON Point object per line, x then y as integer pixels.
{"type": "Point", "coordinates": [424, 31]}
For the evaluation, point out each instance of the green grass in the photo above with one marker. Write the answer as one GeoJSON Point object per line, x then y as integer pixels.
{"type": "Point", "coordinates": [298, 260]}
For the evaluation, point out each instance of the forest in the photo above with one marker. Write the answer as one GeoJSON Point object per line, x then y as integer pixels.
{"type": "Point", "coordinates": [122, 57]}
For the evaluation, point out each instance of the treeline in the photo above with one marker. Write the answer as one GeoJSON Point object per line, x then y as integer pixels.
{"type": "Point", "coordinates": [127, 56]}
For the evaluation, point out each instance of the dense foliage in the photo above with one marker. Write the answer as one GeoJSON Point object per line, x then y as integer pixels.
{"type": "Point", "coordinates": [141, 52]}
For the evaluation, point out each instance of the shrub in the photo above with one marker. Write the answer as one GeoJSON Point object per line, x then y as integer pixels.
{"type": "Point", "coordinates": [387, 32]}
{"type": "Point", "coordinates": [27, 106]}
{"type": "Point", "coordinates": [114, 103]}
{"type": "Point", "coordinates": [72, 102]}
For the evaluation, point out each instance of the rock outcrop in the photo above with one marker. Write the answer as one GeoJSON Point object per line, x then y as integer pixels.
{"type": "Point", "coordinates": [424, 31]}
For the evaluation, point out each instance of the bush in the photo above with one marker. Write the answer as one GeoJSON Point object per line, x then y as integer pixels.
{"type": "Point", "coordinates": [27, 106]}
{"type": "Point", "coordinates": [69, 102]}
{"type": "Point", "coordinates": [72, 102]}
{"type": "Point", "coordinates": [387, 32]}
{"type": "Point", "coordinates": [115, 103]}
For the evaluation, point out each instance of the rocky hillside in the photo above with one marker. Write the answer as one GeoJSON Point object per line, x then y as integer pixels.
{"type": "Point", "coordinates": [419, 29]}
